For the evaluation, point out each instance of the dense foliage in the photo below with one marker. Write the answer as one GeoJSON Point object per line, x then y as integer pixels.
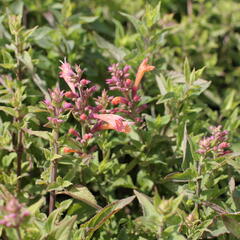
{"type": "Point", "coordinates": [119, 119]}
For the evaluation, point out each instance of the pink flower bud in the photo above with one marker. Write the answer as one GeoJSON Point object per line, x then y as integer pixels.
{"type": "Point", "coordinates": [73, 132]}
{"type": "Point", "coordinates": [70, 94]}
{"type": "Point", "coordinates": [67, 105]}
{"type": "Point", "coordinates": [84, 82]}
{"type": "Point", "coordinates": [128, 82]}
{"type": "Point", "coordinates": [223, 145]}
{"type": "Point", "coordinates": [136, 98]}
{"type": "Point", "coordinates": [8, 224]}
{"type": "Point", "coordinates": [47, 102]}
{"type": "Point", "coordinates": [55, 120]}
{"type": "Point", "coordinates": [87, 136]}
{"type": "Point", "coordinates": [83, 116]}
{"type": "Point", "coordinates": [26, 213]}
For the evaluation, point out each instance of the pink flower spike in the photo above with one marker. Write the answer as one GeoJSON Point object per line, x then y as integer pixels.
{"type": "Point", "coordinates": [67, 74]}
{"type": "Point", "coordinates": [114, 122]}
{"type": "Point", "coordinates": [3, 222]}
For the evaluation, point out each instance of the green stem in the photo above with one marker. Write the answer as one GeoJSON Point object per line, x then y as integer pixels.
{"type": "Point", "coordinates": [199, 180]}
{"type": "Point", "coordinates": [18, 233]}
{"type": "Point", "coordinates": [19, 158]}
{"type": "Point", "coordinates": [53, 173]}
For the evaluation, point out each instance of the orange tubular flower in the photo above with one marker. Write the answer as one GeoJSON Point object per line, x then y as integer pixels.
{"type": "Point", "coordinates": [118, 100]}
{"type": "Point", "coordinates": [143, 68]}
{"type": "Point", "coordinates": [70, 150]}
{"type": "Point", "coordinates": [114, 122]}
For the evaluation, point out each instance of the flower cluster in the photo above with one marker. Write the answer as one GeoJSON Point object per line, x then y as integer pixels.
{"type": "Point", "coordinates": [217, 143]}
{"type": "Point", "coordinates": [56, 106]}
{"type": "Point", "coordinates": [14, 214]}
{"type": "Point", "coordinates": [129, 101]}
{"type": "Point", "coordinates": [96, 113]}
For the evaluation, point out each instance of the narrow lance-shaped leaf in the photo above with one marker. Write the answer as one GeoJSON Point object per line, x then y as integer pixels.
{"type": "Point", "coordinates": [81, 193]}
{"type": "Point", "coordinates": [117, 53]}
{"type": "Point", "coordinates": [187, 71]}
{"type": "Point", "coordinates": [232, 223]}
{"type": "Point", "coordinates": [146, 204]}
{"type": "Point", "coordinates": [187, 155]}
{"type": "Point", "coordinates": [102, 216]}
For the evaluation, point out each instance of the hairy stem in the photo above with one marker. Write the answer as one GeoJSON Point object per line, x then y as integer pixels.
{"type": "Point", "coordinates": [18, 233]}
{"type": "Point", "coordinates": [189, 8]}
{"type": "Point", "coordinates": [199, 181]}
{"type": "Point", "coordinates": [19, 158]}
{"type": "Point", "coordinates": [19, 146]}
{"type": "Point", "coordinates": [53, 173]}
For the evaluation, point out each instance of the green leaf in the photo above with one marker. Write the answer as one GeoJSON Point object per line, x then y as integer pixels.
{"type": "Point", "coordinates": [161, 82]}
{"type": "Point", "coordinates": [139, 25]}
{"type": "Point", "coordinates": [52, 219]}
{"type": "Point", "coordinates": [41, 84]}
{"type": "Point", "coordinates": [9, 111]}
{"type": "Point", "coordinates": [59, 184]}
{"type": "Point", "coordinates": [34, 208]}
{"type": "Point", "coordinates": [17, 7]}
{"type": "Point", "coordinates": [187, 154]}
{"type": "Point", "coordinates": [42, 134]}
{"type": "Point", "coordinates": [7, 159]}
{"type": "Point", "coordinates": [117, 53]}
{"type": "Point", "coordinates": [81, 193]}
{"type": "Point", "coordinates": [67, 9]}
{"type": "Point", "coordinates": [152, 15]}
{"type": "Point", "coordinates": [29, 32]}
{"type": "Point", "coordinates": [27, 61]}
{"type": "Point", "coordinates": [87, 19]}
{"type": "Point", "coordinates": [8, 61]}
{"type": "Point", "coordinates": [236, 197]}
{"type": "Point", "coordinates": [88, 228]}
{"type": "Point", "coordinates": [232, 223]}
{"type": "Point", "coordinates": [64, 228]}
{"type": "Point", "coordinates": [187, 71]}
{"type": "Point", "coordinates": [188, 174]}
{"type": "Point", "coordinates": [146, 204]}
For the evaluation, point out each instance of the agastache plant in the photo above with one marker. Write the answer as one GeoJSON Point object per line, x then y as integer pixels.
{"type": "Point", "coordinates": [93, 113]}
{"type": "Point", "coordinates": [56, 107]}
{"type": "Point", "coordinates": [216, 145]}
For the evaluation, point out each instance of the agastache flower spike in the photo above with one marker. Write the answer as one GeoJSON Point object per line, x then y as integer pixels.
{"type": "Point", "coordinates": [217, 143]}
{"type": "Point", "coordinates": [143, 68]}
{"type": "Point", "coordinates": [15, 214]}
{"type": "Point", "coordinates": [68, 75]}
